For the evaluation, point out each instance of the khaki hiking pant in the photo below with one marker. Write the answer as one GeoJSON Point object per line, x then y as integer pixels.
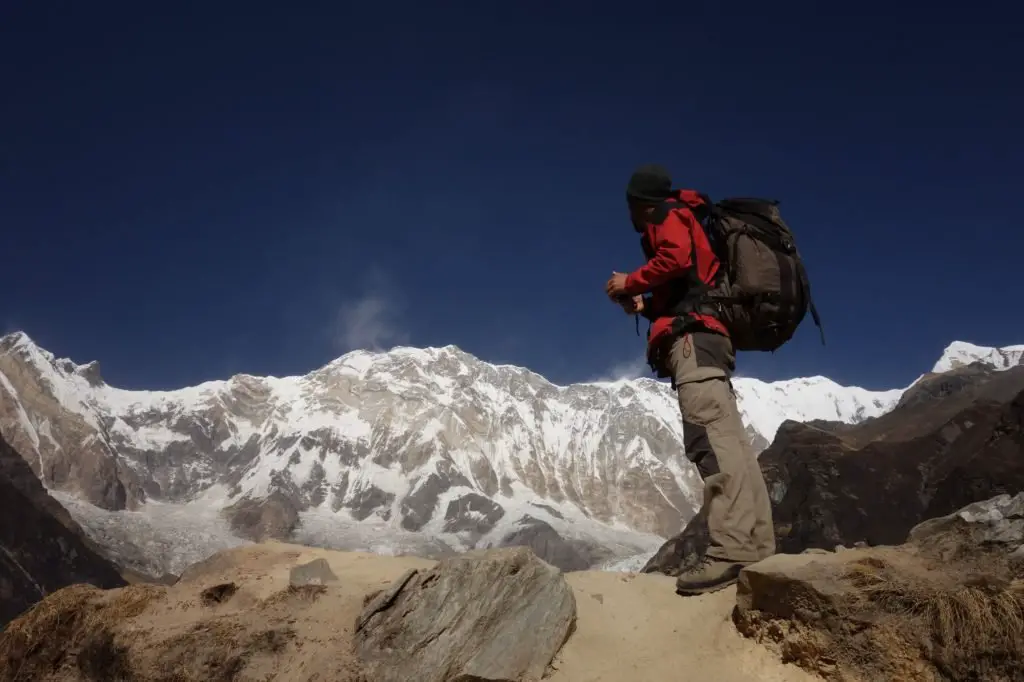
{"type": "Point", "coordinates": [735, 495]}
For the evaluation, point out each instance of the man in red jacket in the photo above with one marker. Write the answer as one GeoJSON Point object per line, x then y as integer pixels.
{"type": "Point", "coordinates": [687, 343]}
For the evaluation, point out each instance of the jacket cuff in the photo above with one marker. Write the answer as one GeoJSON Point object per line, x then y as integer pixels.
{"type": "Point", "coordinates": [632, 287]}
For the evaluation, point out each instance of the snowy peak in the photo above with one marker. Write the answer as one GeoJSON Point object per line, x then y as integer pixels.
{"type": "Point", "coordinates": [21, 345]}
{"type": "Point", "coordinates": [962, 353]}
{"type": "Point", "coordinates": [766, 405]}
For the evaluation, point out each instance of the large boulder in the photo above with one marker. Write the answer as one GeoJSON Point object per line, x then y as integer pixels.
{"type": "Point", "coordinates": [949, 605]}
{"type": "Point", "coordinates": [496, 615]}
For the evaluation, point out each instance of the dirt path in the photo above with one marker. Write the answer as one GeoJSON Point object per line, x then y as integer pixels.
{"type": "Point", "coordinates": [636, 628]}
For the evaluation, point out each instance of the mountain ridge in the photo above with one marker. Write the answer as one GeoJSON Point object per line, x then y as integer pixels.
{"type": "Point", "coordinates": [433, 449]}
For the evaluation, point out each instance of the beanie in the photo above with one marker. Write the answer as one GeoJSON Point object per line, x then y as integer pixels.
{"type": "Point", "coordinates": [649, 183]}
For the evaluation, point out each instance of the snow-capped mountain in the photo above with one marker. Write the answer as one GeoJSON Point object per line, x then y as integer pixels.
{"type": "Point", "coordinates": [418, 450]}
{"type": "Point", "coordinates": [960, 354]}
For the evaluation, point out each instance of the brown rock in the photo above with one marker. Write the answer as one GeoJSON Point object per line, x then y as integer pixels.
{"type": "Point", "coordinates": [497, 615]}
{"type": "Point", "coordinates": [788, 585]}
{"type": "Point", "coordinates": [218, 594]}
{"type": "Point", "coordinates": [315, 572]}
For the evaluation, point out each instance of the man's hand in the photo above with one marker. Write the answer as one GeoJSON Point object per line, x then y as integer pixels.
{"type": "Point", "coordinates": [633, 306]}
{"type": "Point", "coordinates": [616, 286]}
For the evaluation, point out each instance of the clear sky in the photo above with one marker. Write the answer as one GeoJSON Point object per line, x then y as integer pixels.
{"type": "Point", "coordinates": [208, 188]}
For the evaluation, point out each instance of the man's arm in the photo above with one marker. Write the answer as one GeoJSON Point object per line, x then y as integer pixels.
{"type": "Point", "coordinates": [672, 250]}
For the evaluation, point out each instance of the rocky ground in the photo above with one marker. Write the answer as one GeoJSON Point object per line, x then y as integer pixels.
{"type": "Point", "coordinates": [947, 605]}
{"type": "Point", "coordinates": [267, 612]}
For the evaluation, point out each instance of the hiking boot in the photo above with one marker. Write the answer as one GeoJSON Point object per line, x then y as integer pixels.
{"type": "Point", "coordinates": [710, 575]}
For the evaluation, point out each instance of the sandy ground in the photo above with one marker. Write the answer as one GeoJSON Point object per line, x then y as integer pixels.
{"type": "Point", "coordinates": [637, 628]}
{"type": "Point", "coordinates": [629, 627]}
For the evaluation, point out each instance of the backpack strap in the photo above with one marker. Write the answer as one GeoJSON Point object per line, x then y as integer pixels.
{"type": "Point", "coordinates": [816, 318]}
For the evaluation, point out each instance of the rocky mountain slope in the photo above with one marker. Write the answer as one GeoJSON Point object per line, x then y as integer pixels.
{"type": "Point", "coordinates": [41, 548]}
{"type": "Point", "coordinates": [928, 457]}
{"type": "Point", "coordinates": [414, 450]}
{"type": "Point", "coordinates": [954, 438]}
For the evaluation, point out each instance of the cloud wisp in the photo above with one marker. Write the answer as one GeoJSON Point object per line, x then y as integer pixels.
{"type": "Point", "coordinates": [371, 321]}
{"type": "Point", "coordinates": [630, 369]}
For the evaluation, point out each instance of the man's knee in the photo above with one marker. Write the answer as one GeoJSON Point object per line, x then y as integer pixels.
{"type": "Point", "coordinates": [698, 449]}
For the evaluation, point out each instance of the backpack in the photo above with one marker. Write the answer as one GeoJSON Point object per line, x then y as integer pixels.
{"type": "Point", "coordinates": [762, 293]}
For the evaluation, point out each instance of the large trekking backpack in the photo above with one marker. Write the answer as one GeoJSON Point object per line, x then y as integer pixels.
{"type": "Point", "coordinates": [763, 293]}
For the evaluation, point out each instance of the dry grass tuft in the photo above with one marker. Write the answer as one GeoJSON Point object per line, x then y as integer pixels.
{"type": "Point", "coordinates": [969, 626]}
{"type": "Point", "coordinates": [102, 659]}
{"type": "Point", "coordinates": [211, 651]}
{"type": "Point", "coordinates": [894, 614]}
{"type": "Point", "coordinates": [73, 627]}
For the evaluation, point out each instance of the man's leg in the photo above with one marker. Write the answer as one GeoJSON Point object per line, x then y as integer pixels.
{"type": "Point", "coordinates": [764, 526]}
{"type": "Point", "coordinates": [701, 364]}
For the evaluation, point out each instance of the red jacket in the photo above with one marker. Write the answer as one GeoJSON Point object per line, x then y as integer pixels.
{"type": "Point", "coordinates": [671, 238]}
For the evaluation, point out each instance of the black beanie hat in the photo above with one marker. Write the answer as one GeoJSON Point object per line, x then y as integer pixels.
{"type": "Point", "coordinates": [649, 183]}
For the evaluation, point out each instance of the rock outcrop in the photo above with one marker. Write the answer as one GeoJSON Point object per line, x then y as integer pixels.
{"type": "Point", "coordinates": [947, 605]}
{"type": "Point", "coordinates": [873, 482]}
{"type": "Point", "coordinates": [41, 548]}
{"type": "Point", "coordinates": [992, 527]}
{"type": "Point", "coordinates": [498, 614]}
{"type": "Point", "coordinates": [954, 439]}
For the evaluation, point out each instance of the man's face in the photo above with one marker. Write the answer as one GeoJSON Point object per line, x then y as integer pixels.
{"type": "Point", "coordinates": [638, 215]}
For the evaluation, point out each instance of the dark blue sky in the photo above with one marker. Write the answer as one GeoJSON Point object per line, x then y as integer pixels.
{"type": "Point", "coordinates": [216, 188]}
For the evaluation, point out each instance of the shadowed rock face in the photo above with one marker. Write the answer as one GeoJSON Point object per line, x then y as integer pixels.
{"type": "Point", "coordinates": [923, 460]}
{"type": "Point", "coordinates": [272, 517]}
{"type": "Point", "coordinates": [546, 543]}
{"type": "Point", "coordinates": [955, 439]}
{"type": "Point", "coordinates": [41, 548]}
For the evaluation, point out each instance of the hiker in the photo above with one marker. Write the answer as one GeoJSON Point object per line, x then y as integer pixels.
{"type": "Point", "coordinates": [689, 342]}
